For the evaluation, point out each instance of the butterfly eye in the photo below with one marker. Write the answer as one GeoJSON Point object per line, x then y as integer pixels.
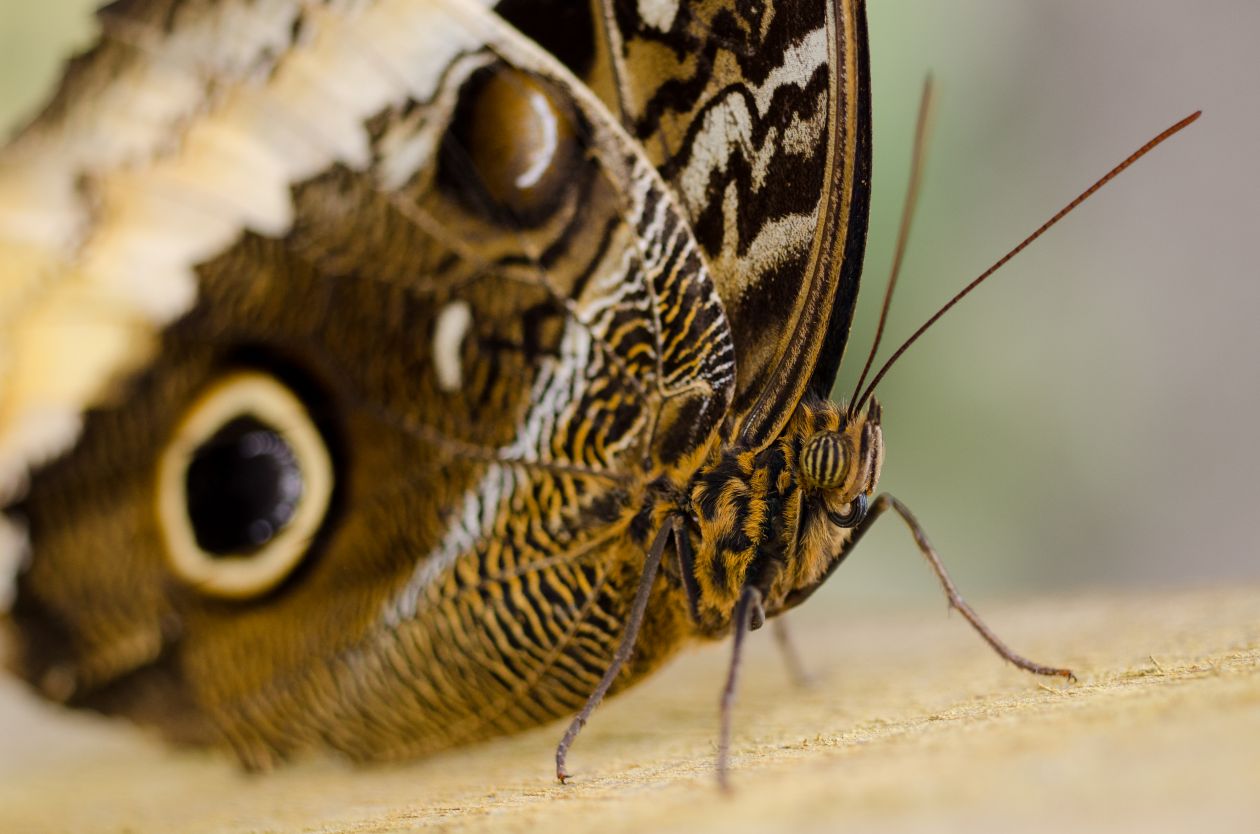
{"type": "Point", "coordinates": [825, 460]}
{"type": "Point", "coordinates": [516, 135]}
{"type": "Point", "coordinates": [243, 486]}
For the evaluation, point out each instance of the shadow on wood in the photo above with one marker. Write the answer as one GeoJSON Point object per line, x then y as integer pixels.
{"type": "Point", "coordinates": [912, 724]}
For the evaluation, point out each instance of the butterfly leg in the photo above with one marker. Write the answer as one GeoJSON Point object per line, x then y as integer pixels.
{"type": "Point", "coordinates": [749, 614]}
{"type": "Point", "coordinates": [626, 648]}
{"type": "Point", "coordinates": [796, 670]}
{"type": "Point", "coordinates": [885, 502]}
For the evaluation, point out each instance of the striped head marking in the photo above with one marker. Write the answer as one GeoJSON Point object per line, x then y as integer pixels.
{"type": "Point", "coordinates": [845, 461]}
{"type": "Point", "coordinates": [782, 517]}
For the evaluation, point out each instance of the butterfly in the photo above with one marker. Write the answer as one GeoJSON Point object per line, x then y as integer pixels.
{"type": "Point", "coordinates": [385, 375]}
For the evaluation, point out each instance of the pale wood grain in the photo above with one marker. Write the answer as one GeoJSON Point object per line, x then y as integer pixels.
{"type": "Point", "coordinates": [913, 725]}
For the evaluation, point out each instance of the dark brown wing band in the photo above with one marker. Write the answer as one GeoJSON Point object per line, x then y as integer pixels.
{"type": "Point", "coordinates": [810, 356]}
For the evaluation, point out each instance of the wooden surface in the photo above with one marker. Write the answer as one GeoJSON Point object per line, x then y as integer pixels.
{"type": "Point", "coordinates": [912, 725]}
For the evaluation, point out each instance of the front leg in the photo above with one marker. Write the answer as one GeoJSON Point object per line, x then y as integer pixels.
{"type": "Point", "coordinates": [885, 502]}
{"type": "Point", "coordinates": [672, 527]}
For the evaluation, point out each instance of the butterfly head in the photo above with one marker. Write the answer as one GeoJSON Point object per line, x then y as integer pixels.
{"type": "Point", "coordinates": [843, 463]}
{"type": "Point", "coordinates": [780, 518]}
{"type": "Point", "coordinates": [837, 454]}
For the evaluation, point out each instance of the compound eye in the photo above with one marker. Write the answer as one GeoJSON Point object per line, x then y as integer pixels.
{"type": "Point", "coordinates": [825, 460]}
{"type": "Point", "coordinates": [243, 486]}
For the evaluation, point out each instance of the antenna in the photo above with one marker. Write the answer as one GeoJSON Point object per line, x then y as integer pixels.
{"type": "Point", "coordinates": [1059, 215]}
{"type": "Point", "coordinates": [917, 156]}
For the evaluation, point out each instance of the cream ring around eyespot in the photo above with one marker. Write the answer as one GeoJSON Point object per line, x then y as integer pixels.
{"type": "Point", "coordinates": [266, 399]}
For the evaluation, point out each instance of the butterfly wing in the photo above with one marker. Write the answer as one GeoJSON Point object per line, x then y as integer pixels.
{"type": "Point", "coordinates": [498, 367]}
{"type": "Point", "coordinates": [496, 359]}
{"type": "Point", "coordinates": [759, 115]}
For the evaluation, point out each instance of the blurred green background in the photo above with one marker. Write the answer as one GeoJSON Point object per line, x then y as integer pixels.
{"type": "Point", "coordinates": [1088, 419]}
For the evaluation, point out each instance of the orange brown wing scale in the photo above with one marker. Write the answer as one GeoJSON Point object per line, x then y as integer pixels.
{"type": "Point", "coordinates": [515, 350]}
{"type": "Point", "coordinates": [499, 374]}
{"type": "Point", "coordinates": [513, 360]}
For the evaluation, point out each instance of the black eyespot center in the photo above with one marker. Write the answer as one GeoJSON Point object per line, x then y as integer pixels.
{"type": "Point", "coordinates": [243, 487]}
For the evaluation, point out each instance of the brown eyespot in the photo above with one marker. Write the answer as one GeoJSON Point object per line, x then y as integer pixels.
{"type": "Point", "coordinates": [243, 485]}
{"type": "Point", "coordinates": [514, 133]}
{"type": "Point", "coordinates": [825, 460]}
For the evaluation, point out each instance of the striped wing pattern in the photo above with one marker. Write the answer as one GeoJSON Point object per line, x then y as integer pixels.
{"type": "Point", "coordinates": [758, 114]}
{"type": "Point", "coordinates": [242, 182]}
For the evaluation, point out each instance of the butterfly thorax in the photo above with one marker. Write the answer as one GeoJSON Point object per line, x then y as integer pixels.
{"type": "Point", "coordinates": [781, 517]}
